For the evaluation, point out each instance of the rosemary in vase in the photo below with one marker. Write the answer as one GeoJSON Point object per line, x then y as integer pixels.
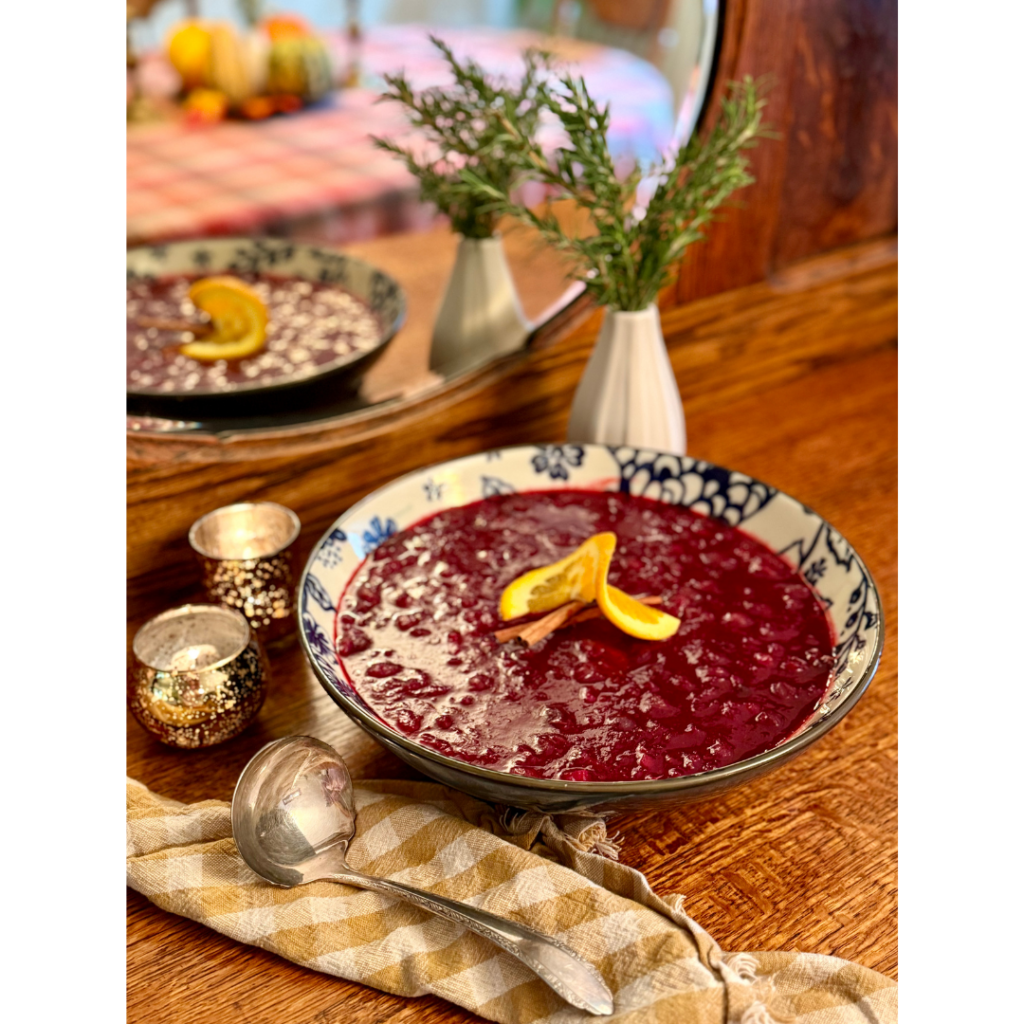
{"type": "Point", "coordinates": [640, 223]}
{"type": "Point", "coordinates": [463, 126]}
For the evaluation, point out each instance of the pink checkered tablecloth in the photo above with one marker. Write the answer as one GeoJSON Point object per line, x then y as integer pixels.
{"type": "Point", "coordinates": [319, 166]}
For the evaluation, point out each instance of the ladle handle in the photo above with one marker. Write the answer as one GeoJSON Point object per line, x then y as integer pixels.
{"type": "Point", "coordinates": [576, 981]}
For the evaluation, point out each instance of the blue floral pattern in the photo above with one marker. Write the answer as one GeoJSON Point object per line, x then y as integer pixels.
{"type": "Point", "coordinates": [321, 649]}
{"type": "Point", "coordinates": [257, 256]}
{"type": "Point", "coordinates": [383, 291]}
{"type": "Point", "coordinates": [313, 588]}
{"type": "Point", "coordinates": [826, 555]}
{"type": "Point", "coordinates": [332, 549]}
{"type": "Point", "coordinates": [433, 491]}
{"type": "Point", "coordinates": [815, 571]}
{"type": "Point", "coordinates": [702, 486]}
{"type": "Point", "coordinates": [556, 460]}
{"type": "Point", "coordinates": [334, 268]}
{"type": "Point", "coordinates": [377, 533]}
{"type": "Point", "coordinates": [491, 486]}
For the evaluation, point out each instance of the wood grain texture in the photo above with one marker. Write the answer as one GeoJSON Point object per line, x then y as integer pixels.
{"type": "Point", "coordinates": [829, 179]}
{"type": "Point", "coordinates": [757, 41]}
{"type": "Point", "coordinates": [840, 185]}
{"type": "Point", "coordinates": [792, 381]}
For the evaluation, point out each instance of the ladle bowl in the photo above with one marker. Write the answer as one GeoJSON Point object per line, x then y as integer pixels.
{"type": "Point", "coordinates": [293, 816]}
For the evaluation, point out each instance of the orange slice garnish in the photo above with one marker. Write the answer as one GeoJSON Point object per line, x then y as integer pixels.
{"type": "Point", "coordinates": [632, 617]}
{"type": "Point", "coordinates": [239, 319]}
{"type": "Point", "coordinates": [583, 576]}
{"type": "Point", "coordinates": [574, 578]}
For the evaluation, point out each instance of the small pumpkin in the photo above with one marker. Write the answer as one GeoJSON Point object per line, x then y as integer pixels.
{"type": "Point", "coordinates": [300, 66]}
{"type": "Point", "coordinates": [285, 26]}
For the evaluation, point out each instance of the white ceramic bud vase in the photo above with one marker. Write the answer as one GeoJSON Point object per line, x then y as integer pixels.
{"type": "Point", "coordinates": [480, 316]}
{"type": "Point", "coordinates": [628, 393]}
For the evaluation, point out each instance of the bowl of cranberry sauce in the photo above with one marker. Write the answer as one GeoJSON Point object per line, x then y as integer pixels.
{"type": "Point", "coordinates": [780, 626]}
{"type": "Point", "coordinates": [329, 314]}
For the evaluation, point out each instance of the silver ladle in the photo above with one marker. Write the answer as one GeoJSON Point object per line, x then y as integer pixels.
{"type": "Point", "coordinates": [292, 816]}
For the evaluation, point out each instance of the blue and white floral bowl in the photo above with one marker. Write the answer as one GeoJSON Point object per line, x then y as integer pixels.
{"type": "Point", "coordinates": [825, 559]}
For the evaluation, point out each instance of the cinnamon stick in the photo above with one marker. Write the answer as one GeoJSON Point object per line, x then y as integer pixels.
{"type": "Point", "coordinates": [541, 626]}
{"type": "Point", "coordinates": [508, 633]}
{"type": "Point", "coordinates": [534, 632]}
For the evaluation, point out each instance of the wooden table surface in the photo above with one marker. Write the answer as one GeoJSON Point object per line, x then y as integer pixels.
{"type": "Point", "coordinates": [802, 859]}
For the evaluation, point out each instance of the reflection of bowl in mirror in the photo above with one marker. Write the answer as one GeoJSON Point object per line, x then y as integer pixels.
{"type": "Point", "coordinates": [422, 263]}
{"type": "Point", "coordinates": [828, 565]}
{"type": "Point", "coordinates": [331, 316]}
{"type": "Point", "coordinates": [197, 675]}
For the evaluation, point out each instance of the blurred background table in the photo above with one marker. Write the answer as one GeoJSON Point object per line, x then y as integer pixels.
{"type": "Point", "coordinates": [315, 173]}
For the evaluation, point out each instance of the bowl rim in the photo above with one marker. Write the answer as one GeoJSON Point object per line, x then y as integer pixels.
{"type": "Point", "coordinates": [250, 387]}
{"type": "Point", "coordinates": [595, 789]}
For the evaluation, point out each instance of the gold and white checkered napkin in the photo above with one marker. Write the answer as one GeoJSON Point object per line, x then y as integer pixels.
{"type": "Point", "coordinates": [547, 873]}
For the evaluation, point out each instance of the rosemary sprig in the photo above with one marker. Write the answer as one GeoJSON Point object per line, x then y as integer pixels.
{"type": "Point", "coordinates": [641, 221]}
{"type": "Point", "coordinates": [464, 126]}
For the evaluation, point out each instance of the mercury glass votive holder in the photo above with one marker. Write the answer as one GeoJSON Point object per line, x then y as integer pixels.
{"type": "Point", "coordinates": [197, 675]}
{"type": "Point", "coordinates": [245, 551]}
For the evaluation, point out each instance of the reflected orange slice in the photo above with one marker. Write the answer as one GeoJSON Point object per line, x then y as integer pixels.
{"type": "Point", "coordinates": [239, 319]}
{"type": "Point", "coordinates": [574, 578]}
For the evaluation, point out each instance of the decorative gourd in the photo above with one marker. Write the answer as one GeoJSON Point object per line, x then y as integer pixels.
{"type": "Point", "coordinates": [188, 50]}
{"type": "Point", "coordinates": [238, 64]}
{"type": "Point", "coordinates": [274, 68]}
{"type": "Point", "coordinates": [300, 66]}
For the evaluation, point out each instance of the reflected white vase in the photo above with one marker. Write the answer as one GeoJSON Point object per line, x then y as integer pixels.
{"type": "Point", "coordinates": [628, 393]}
{"type": "Point", "coordinates": [480, 317]}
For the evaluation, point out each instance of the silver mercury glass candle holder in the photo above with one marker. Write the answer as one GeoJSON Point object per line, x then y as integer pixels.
{"type": "Point", "coordinates": [245, 551]}
{"type": "Point", "coordinates": [197, 675]}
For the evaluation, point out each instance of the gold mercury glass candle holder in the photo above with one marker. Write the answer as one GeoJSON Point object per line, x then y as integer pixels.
{"type": "Point", "coordinates": [246, 556]}
{"type": "Point", "coordinates": [197, 675]}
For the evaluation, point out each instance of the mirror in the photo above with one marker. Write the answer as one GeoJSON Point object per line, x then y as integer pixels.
{"type": "Point", "coordinates": [313, 177]}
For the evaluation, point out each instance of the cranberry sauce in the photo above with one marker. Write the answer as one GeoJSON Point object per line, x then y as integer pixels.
{"type": "Point", "coordinates": [415, 632]}
{"type": "Point", "coordinates": [310, 325]}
